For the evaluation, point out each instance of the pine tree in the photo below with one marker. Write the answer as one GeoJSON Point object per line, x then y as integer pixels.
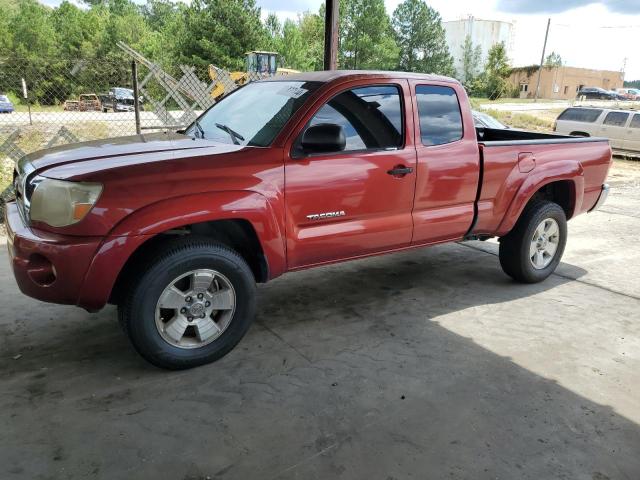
{"type": "Point", "coordinates": [421, 39]}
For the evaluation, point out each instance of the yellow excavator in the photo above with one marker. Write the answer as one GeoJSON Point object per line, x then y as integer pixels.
{"type": "Point", "coordinates": [259, 64]}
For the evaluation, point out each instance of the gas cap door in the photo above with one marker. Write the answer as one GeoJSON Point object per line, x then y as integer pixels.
{"type": "Point", "coordinates": [526, 162]}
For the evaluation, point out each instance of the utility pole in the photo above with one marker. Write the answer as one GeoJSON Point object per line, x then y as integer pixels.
{"type": "Point", "coordinates": [546, 35]}
{"type": "Point", "coordinates": [331, 35]}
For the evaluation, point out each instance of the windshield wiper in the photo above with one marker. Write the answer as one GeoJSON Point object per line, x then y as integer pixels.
{"type": "Point", "coordinates": [235, 136]}
{"type": "Point", "coordinates": [199, 127]}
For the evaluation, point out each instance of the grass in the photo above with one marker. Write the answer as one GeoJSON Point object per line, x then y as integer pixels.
{"type": "Point", "coordinates": [485, 100]}
{"type": "Point", "coordinates": [6, 172]}
{"type": "Point", "coordinates": [524, 121]}
{"type": "Point", "coordinates": [20, 106]}
{"type": "Point", "coordinates": [38, 108]}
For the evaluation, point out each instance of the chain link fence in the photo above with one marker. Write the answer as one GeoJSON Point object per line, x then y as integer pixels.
{"type": "Point", "coordinates": [61, 102]}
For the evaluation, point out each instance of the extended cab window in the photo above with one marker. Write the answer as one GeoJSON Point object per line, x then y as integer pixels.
{"type": "Point", "coordinates": [635, 121]}
{"type": "Point", "coordinates": [371, 117]}
{"type": "Point", "coordinates": [440, 118]}
{"type": "Point", "coordinates": [616, 119]}
{"type": "Point", "coordinates": [588, 115]}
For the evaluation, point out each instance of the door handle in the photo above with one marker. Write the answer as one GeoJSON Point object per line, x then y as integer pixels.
{"type": "Point", "coordinates": [400, 170]}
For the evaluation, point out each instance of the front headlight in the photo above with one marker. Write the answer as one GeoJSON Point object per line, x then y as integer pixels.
{"type": "Point", "coordinates": [60, 203]}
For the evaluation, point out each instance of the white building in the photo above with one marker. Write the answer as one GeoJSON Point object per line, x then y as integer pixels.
{"type": "Point", "coordinates": [485, 33]}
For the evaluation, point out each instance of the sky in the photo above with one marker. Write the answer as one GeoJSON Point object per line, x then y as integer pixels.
{"type": "Point", "coordinates": [585, 33]}
{"type": "Point", "coordinates": [590, 34]}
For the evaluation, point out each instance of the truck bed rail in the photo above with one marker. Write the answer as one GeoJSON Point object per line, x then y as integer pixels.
{"type": "Point", "coordinates": [494, 137]}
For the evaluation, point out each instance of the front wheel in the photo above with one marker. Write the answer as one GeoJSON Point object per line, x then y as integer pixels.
{"type": "Point", "coordinates": [533, 249]}
{"type": "Point", "coordinates": [190, 304]}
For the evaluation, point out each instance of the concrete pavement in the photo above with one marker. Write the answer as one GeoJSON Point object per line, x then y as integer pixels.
{"type": "Point", "coordinates": [424, 364]}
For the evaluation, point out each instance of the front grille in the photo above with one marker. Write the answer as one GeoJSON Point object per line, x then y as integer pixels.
{"type": "Point", "coordinates": [20, 195]}
{"type": "Point", "coordinates": [28, 193]}
{"type": "Point", "coordinates": [23, 187]}
{"type": "Point", "coordinates": [17, 190]}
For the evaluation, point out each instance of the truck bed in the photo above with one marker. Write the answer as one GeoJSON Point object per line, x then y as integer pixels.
{"type": "Point", "coordinates": [515, 163]}
{"type": "Point", "coordinates": [499, 137]}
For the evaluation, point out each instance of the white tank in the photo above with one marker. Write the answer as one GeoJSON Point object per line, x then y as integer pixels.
{"type": "Point", "coordinates": [485, 33]}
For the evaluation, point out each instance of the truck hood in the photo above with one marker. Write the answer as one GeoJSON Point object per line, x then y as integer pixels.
{"type": "Point", "coordinates": [110, 148]}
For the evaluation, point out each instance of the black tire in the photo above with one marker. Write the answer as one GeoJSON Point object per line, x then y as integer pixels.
{"type": "Point", "coordinates": [514, 247]}
{"type": "Point", "coordinates": [137, 311]}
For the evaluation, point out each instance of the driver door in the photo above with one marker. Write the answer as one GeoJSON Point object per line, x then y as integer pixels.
{"type": "Point", "coordinates": [356, 201]}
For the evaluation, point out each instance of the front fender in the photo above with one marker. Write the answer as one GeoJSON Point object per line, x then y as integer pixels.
{"type": "Point", "coordinates": [537, 179]}
{"type": "Point", "coordinates": [142, 225]}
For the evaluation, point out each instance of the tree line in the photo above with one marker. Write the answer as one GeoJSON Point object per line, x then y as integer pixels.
{"type": "Point", "coordinates": [45, 42]}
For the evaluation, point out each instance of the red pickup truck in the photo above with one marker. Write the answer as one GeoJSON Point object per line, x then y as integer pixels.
{"type": "Point", "coordinates": [281, 175]}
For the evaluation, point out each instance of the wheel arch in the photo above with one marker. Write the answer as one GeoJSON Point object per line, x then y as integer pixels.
{"type": "Point", "coordinates": [237, 234]}
{"type": "Point", "coordinates": [562, 183]}
{"type": "Point", "coordinates": [244, 221]}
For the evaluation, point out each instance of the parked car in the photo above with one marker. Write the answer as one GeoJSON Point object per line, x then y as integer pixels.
{"type": "Point", "coordinates": [119, 100]}
{"type": "Point", "coordinates": [618, 96]}
{"type": "Point", "coordinates": [87, 102]}
{"type": "Point", "coordinates": [484, 120]}
{"type": "Point", "coordinates": [281, 175]}
{"type": "Point", "coordinates": [621, 127]}
{"type": "Point", "coordinates": [596, 93]}
{"type": "Point", "coordinates": [629, 93]}
{"type": "Point", "coordinates": [5, 104]}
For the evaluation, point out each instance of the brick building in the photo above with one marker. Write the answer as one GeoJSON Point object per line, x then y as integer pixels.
{"type": "Point", "coordinates": [562, 82]}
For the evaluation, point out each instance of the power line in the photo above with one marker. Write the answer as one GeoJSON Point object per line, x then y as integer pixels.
{"type": "Point", "coordinates": [601, 26]}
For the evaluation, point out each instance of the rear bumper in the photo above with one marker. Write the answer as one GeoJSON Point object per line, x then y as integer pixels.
{"type": "Point", "coordinates": [48, 267]}
{"type": "Point", "coordinates": [604, 193]}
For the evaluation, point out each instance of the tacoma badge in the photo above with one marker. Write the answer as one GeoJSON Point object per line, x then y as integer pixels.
{"type": "Point", "coordinates": [320, 216]}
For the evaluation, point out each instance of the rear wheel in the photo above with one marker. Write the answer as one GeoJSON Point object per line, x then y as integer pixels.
{"type": "Point", "coordinates": [190, 304]}
{"type": "Point", "coordinates": [533, 249]}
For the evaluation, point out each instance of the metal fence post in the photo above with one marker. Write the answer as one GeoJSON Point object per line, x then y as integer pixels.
{"type": "Point", "coordinates": [136, 97]}
{"type": "Point", "coordinates": [25, 94]}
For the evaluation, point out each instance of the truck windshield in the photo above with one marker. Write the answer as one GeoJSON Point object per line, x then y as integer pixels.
{"type": "Point", "coordinates": [254, 114]}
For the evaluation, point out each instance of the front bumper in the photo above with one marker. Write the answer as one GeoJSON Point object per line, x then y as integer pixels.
{"type": "Point", "coordinates": [604, 193]}
{"type": "Point", "coordinates": [47, 266]}
{"type": "Point", "coordinates": [123, 108]}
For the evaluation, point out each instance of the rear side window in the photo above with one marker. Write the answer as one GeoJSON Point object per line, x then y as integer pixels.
{"type": "Point", "coordinates": [616, 119]}
{"type": "Point", "coordinates": [635, 121]}
{"type": "Point", "coordinates": [371, 117]}
{"type": "Point", "coordinates": [440, 118]}
{"type": "Point", "coordinates": [588, 115]}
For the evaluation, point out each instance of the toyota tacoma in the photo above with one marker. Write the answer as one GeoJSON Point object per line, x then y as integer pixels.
{"type": "Point", "coordinates": [284, 174]}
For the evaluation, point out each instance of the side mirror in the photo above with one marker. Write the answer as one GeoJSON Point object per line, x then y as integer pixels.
{"type": "Point", "coordinates": [323, 138]}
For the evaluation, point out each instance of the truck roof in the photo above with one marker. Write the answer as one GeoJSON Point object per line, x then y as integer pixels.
{"type": "Point", "coordinates": [331, 75]}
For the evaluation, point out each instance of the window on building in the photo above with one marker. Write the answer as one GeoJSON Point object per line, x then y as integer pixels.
{"type": "Point", "coordinates": [616, 119]}
{"type": "Point", "coordinates": [440, 118]}
{"type": "Point", "coordinates": [524, 87]}
{"type": "Point", "coordinates": [566, 89]}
